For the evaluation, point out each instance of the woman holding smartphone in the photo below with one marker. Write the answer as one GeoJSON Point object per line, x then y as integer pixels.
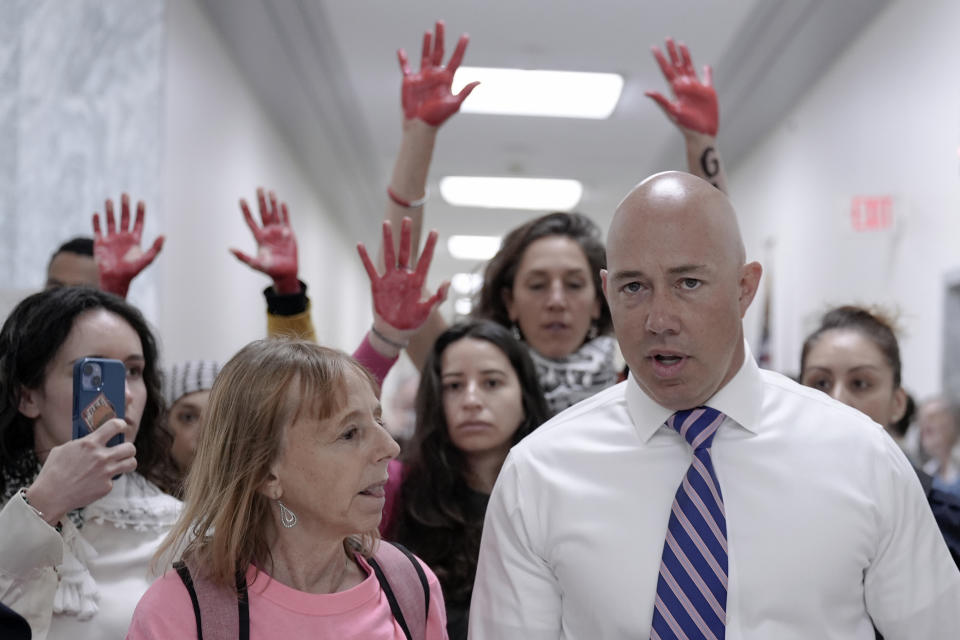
{"type": "Point", "coordinates": [80, 519]}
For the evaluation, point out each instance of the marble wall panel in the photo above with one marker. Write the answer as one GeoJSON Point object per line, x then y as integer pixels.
{"type": "Point", "coordinates": [81, 114]}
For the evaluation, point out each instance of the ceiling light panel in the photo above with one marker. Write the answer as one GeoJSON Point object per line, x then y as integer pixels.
{"type": "Point", "coordinates": [473, 247]}
{"type": "Point", "coordinates": [537, 194]}
{"type": "Point", "coordinates": [521, 92]}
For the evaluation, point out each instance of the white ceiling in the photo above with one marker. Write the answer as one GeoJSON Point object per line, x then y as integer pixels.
{"type": "Point", "coordinates": [327, 72]}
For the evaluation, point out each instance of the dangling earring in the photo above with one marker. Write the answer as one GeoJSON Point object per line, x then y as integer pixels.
{"type": "Point", "coordinates": [515, 330]}
{"type": "Point", "coordinates": [593, 331]}
{"type": "Point", "coordinates": [287, 518]}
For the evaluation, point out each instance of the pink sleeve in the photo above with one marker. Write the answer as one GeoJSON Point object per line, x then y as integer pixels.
{"type": "Point", "coordinates": [392, 500]}
{"type": "Point", "coordinates": [164, 611]}
{"type": "Point", "coordinates": [376, 363]}
{"type": "Point", "coordinates": [437, 618]}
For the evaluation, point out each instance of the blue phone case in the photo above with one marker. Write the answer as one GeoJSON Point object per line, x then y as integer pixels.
{"type": "Point", "coordinates": [99, 393]}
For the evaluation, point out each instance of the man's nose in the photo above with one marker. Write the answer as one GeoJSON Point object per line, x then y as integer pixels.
{"type": "Point", "coordinates": [661, 315]}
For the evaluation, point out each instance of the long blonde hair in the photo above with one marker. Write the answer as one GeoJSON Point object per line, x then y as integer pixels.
{"type": "Point", "coordinates": [225, 523]}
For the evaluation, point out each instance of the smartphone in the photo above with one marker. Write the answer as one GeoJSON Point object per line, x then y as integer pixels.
{"type": "Point", "coordinates": [99, 394]}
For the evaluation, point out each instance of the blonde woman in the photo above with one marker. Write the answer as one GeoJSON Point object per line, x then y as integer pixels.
{"type": "Point", "coordinates": [282, 505]}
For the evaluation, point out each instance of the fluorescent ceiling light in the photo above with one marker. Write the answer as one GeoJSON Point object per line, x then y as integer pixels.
{"type": "Point", "coordinates": [473, 247]}
{"type": "Point", "coordinates": [539, 194]}
{"type": "Point", "coordinates": [466, 283]}
{"type": "Point", "coordinates": [463, 306]}
{"type": "Point", "coordinates": [521, 92]}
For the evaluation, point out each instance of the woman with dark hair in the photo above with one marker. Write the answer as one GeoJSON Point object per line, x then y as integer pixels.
{"type": "Point", "coordinates": [81, 519]}
{"type": "Point", "coordinates": [478, 397]}
{"type": "Point", "coordinates": [854, 357]}
{"type": "Point", "coordinates": [544, 283]}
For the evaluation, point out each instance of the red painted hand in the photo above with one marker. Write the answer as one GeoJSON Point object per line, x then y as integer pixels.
{"type": "Point", "coordinates": [118, 253]}
{"type": "Point", "coordinates": [426, 94]}
{"type": "Point", "coordinates": [695, 106]}
{"type": "Point", "coordinates": [276, 243]}
{"type": "Point", "coordinates": [397, 293]}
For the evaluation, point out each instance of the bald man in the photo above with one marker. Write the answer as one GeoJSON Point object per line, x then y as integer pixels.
{"type": "Point", "coordinates": [704, 497]}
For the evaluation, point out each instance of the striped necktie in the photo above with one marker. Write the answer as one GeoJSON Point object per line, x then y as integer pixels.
{"type": "Point", "coordinates": [691, 597]}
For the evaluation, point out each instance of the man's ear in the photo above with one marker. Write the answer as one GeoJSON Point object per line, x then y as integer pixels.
{"type": "Point", "coordinates": [506, 294]}
{"type": "Point", "coordinates": [750, 275]}
{"type": "Point", "coordinates": [29, 403]}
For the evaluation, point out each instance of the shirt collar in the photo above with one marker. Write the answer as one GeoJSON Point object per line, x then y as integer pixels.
{"type": "Point", "coordinates": [740, 400]}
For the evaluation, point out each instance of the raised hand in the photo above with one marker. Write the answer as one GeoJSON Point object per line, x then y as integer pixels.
{"type": "Point", "coordinates": [117, 253]}
{"type": "Point", "coordinates": [398, 306]}
{"type": "Point", "coordinates": [426, 94]}
{"type": "Point", "coordinates": [276, 243]}
{"type": "Point", "coordinates": [695, 103]}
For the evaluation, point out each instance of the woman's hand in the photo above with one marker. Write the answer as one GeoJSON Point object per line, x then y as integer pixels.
{"type": "Point", "coordinates": [118, 253]}
{"type": "Point", "coordinates": [276, 243]}
{"type": "Point", "coordinates": [695, 104]}
{"type": "Point", "coordinates": [80, 471]}
{"type": "Point", "coordinates": [398, 307]}
{"type": "Point", "coordinates": [426, 94]}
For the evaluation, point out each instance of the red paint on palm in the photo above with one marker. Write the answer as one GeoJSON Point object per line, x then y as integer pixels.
{"type": "Point", "coordinates": [276, 243]}
{"type": "Point", "coordinates": [427, 93]}
{"type": "Point", "coordinates": [695, 102]}
{"type": "Point", "coordinates": [397, 293]}
{"type": "Point", "coordinates": [117, 253]}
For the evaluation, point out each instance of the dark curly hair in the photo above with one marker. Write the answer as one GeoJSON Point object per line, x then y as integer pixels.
{"type": "Point", "coordinates": [870, 323]}
{"type": "Point", "coordinates": [30, 338]}
{"type": "Point", "coordinates": [501, 270]}
{"type": "Point", "coordinates": [438, 517]}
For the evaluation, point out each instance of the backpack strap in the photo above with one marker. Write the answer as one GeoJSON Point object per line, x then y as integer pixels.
{"type": "Point", "coordinates": [225, 616]}
{"type": "Point", "coordinates": [405, 585]}
{"type": "Point", "coordinates": [184, 573]}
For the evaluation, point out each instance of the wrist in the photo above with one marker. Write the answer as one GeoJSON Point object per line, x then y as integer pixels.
{"type": "Point", "coordinates": [416, 130]}
{"type": "Point", "coordinates": [42, 505]}
{"type": "Point", "coordinates": [695, 138]}
{"type": "Point", "coordinates": [386, 339]}
{"type": "Point", "coordinates": [116, 286]}
{"type": "Point", "coordinates": [400, 198]}
{"type": "Point", "coordinates": [285, 286]}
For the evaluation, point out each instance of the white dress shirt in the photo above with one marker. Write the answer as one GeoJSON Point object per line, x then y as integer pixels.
{"type": "Point", "coordinates": [828, 528]}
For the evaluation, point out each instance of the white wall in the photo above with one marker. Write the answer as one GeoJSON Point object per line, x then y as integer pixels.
{"type": "Point", "coordinates": [885, 120]}
{"type": "Point", "coordinates": [219, 146]}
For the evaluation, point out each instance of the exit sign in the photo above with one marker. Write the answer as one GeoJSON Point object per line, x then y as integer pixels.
{"type": "Point", "coordinates": [871, 213]}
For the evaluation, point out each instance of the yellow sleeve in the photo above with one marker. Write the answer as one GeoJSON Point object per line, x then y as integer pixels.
{"type": "Point", "coordinates": [296, 326]}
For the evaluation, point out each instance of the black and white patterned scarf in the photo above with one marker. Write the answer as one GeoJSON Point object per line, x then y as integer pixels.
{"type": "Point", "coordinates": [566, 381]}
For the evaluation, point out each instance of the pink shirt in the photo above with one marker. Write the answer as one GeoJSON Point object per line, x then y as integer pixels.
{"type": "Point", "coordinates": [278, 611]}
